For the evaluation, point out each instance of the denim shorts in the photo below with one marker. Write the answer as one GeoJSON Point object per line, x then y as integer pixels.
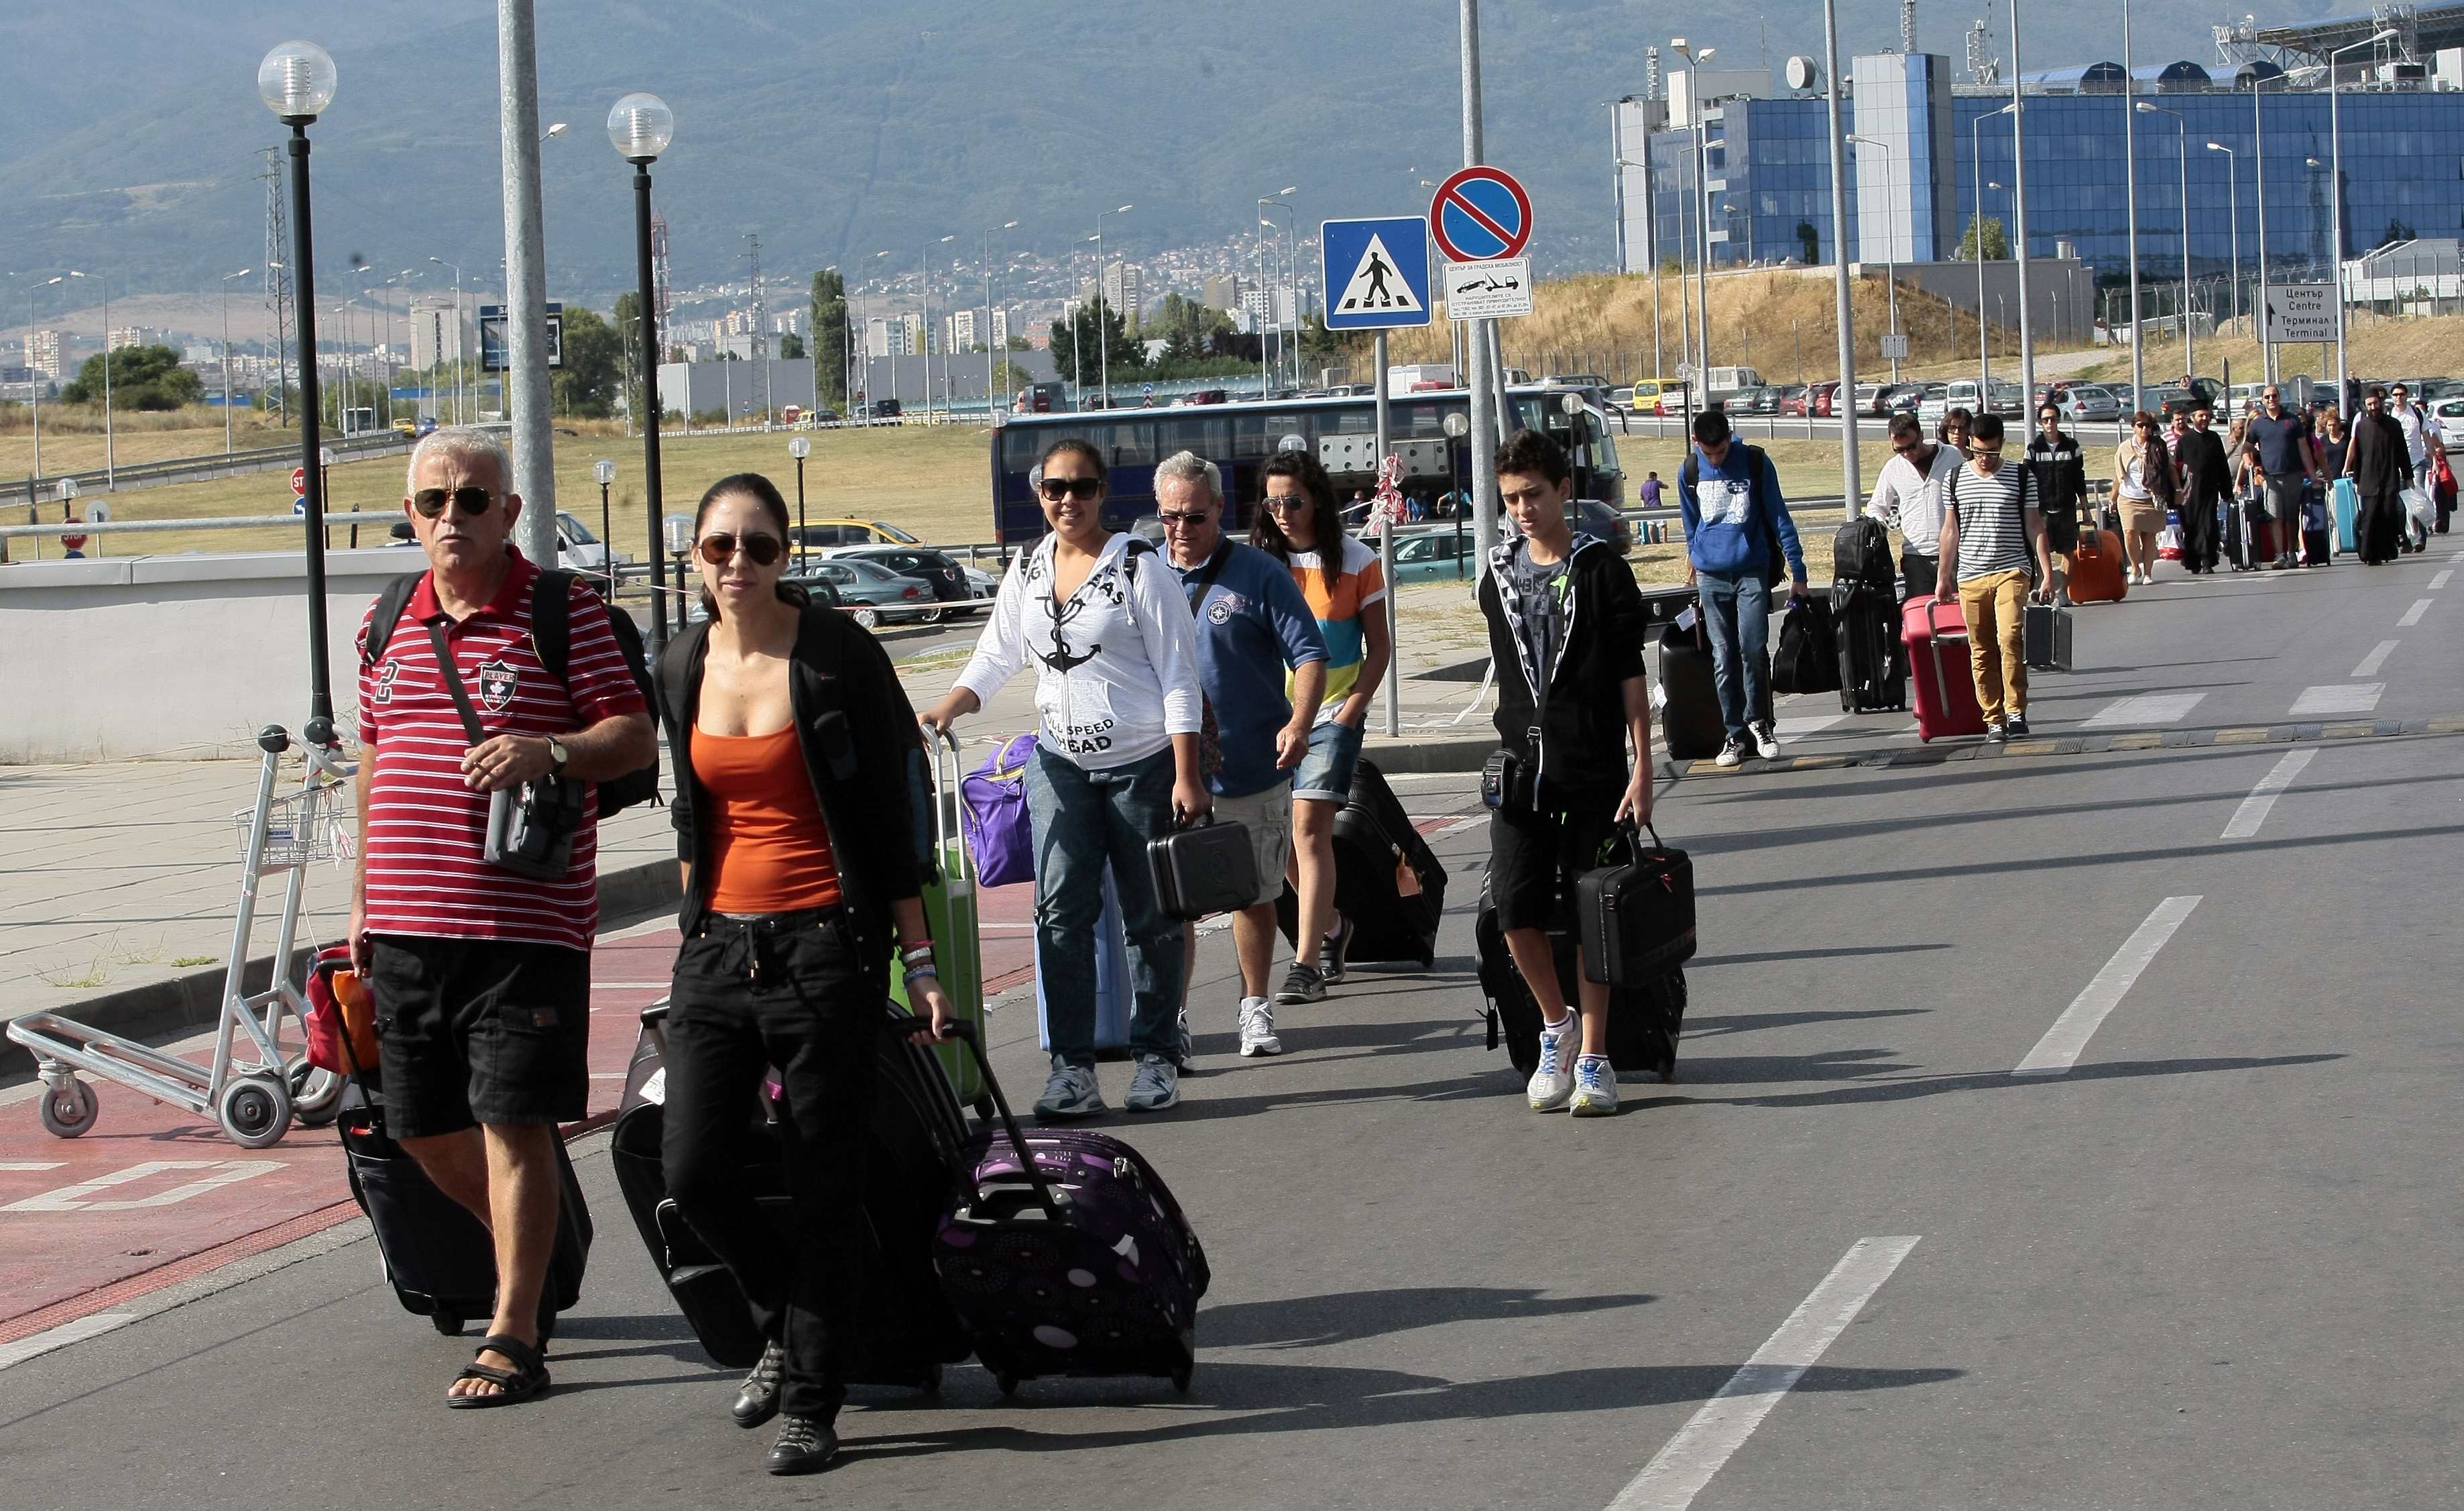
{"type": "Point", "coordinates": [1324, 773]}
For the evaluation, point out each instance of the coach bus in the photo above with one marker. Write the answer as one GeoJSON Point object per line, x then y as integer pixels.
{"type": "Point", "coordinates": [1240, 436]}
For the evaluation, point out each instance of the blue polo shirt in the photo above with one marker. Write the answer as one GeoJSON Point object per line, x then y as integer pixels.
{"type": "Point", "coordinates": [1252, 624]}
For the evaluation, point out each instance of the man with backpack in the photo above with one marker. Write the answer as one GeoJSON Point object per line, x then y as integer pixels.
{"type": "Point", "coordinates": [1992, 535]}
{"type": "Point", "coordinates": [1907, 498]}
{"type": "Point", "coordinates": [476, 945]}
{"type": "Point", "coordinates": [1737, 531]}
{"type": "Point", "coordinates": [1566, 631]}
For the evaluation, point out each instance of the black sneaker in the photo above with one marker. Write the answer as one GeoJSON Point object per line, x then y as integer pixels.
{"type": "Point", "coordinates": [757, 1400]}
{"type": "Point", "coordinates": [806, 1446]}
{"type": "Point", "coordinates": [1303, 984]}
{"type": "Point", "coordinates": [2016, 726]}
{"type": "Point", "coordinates": [1995, 733]}
{"type": "Point", "coordinates": [1337, 946]}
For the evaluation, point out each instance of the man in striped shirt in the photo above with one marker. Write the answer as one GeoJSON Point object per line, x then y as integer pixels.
{"type": "Point", "coordinates": [1993, 534]}
{"type": "Point", "coordinates": [481, 977]}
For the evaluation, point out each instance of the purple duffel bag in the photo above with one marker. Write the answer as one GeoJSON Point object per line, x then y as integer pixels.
{"type": "Point", "coordinates": [992, 801]}
{"type": "Point", "coordinates": [1084, 1265]}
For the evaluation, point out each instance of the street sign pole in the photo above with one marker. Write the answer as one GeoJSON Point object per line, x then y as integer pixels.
{"type": "Point", "coordinates": [1386, 555]}
{"type": "Point", "coordinates": [1481, 376]}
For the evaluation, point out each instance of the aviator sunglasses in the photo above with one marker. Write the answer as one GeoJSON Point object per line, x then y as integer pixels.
{"type": "Point", "coordinates": [473, 501]}
{"type": "Point", "coordinates": [716, 549]}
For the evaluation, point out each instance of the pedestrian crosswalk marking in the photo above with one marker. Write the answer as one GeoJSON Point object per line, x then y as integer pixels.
{"type": "Point", "coordinates": [2145, 708]}
{"type": "Point", "coordinates": [80, 1197]}
{"type": "Point", "coordinates": [1378, 283]}
{"type": "Point", "coordinates": [2338, 697]}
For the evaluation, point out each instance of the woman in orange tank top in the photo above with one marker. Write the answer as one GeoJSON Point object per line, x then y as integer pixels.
{"type": "Point", "coordinates": [790, 734]}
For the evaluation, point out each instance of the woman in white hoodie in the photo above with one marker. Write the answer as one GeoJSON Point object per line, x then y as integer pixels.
{"type": "Point", "coordinates": [1116, 763]}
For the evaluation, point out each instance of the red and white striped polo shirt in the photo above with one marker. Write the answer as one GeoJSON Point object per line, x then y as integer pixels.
{"type": "Point", "coordinates": [426, 827]}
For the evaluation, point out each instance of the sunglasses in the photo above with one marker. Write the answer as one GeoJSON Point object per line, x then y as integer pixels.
{"type": "Point", "coordinates": [430, 501]}
{"type": "Point", "coordinates": [1057, 489]}
{"type": "Point", "coordinates": [1282, 502]}
{"type": "Point", "coordinates": [1191, 517]}
{"type": "Point", "coordinates": [718, 550]}
{"type": "Point", "coordinates": [1988, 449]}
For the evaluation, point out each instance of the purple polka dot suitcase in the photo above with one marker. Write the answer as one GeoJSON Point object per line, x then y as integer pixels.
{"type": "Point", "coordinates": [1079, 1263]}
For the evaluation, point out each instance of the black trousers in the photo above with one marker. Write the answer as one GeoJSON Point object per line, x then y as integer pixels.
{"type": "Point", "coordinates": [1919, 574]}
{"type": "Point", "coordinates": [785, 993]}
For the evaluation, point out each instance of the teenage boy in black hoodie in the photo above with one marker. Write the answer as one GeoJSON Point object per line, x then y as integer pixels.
{"type": "Point", "coordinates": [1566, 628]}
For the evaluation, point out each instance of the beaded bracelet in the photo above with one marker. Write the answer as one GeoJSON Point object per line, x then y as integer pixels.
{"type": "Point", "coordinates": [925, 973]}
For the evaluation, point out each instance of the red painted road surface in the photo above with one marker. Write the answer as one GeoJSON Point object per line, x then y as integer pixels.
{"type": "Point", "coordinates": [152, 1188]}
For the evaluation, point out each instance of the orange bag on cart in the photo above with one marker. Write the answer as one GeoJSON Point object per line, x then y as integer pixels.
{"type": "Point", "coordinates": [342, 1017]}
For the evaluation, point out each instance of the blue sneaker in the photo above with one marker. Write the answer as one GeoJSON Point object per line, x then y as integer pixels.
{"type": "Point", "coordinates": [1155, 1086]}
{"type": "Point", "coordinates": [1070, 1093]}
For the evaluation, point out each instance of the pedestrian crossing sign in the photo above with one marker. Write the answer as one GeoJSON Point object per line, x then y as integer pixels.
{"type": "Point", "coordinates": [1377, 272]}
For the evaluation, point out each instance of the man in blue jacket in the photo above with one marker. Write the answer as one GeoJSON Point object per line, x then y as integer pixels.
{"type": "Point", "coordinates": [1737, 528]}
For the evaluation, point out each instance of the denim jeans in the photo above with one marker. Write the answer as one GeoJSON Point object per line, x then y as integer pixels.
{"type": "Point", "coordinates": [1082, 820]}
{"type": "Point", "coordinates": [1736, 606]}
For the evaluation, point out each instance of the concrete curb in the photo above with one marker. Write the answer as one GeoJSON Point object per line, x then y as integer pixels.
{"type": "Point", "coordinates": [1467, 752]}
{"type": "Point", "coordinates": [190, 1003]}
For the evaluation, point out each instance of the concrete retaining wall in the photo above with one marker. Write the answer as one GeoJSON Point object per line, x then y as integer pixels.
{"type": "Point", "coordinates": [183, 656]}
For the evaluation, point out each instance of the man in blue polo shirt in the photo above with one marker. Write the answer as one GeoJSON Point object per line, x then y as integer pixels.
{"type": "Point", "coordinates": [1253, 624]}
{"type": "Point", "coordinates": [2278, 441]}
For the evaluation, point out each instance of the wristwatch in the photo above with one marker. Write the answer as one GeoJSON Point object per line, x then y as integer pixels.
{"type": "Point", "coordinates": [557, 754]}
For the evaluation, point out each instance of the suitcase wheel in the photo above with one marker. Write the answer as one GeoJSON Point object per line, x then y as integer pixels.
{"type": "Point", "coordinates": [1180, 1378]}
{"type": "Point", "coordinates": [1006, 1380]}
{"type": "Point", "coordinates": [446, 1323]}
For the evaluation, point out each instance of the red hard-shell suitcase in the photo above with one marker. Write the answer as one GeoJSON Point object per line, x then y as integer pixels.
{"type": "Point", "coordinates": [1945, 688]}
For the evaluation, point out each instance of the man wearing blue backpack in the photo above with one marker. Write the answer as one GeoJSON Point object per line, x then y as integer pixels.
{"type": "Point", "coordinates": [1737, 531]}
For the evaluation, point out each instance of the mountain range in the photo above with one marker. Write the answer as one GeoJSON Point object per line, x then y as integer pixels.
{"type": "Point", "coordinates": [837, 129]}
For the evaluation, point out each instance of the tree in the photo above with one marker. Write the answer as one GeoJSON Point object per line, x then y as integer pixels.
{"type": "Point", "coordinates": [593, 372]}
{"type": "Point", "coordinates": [1187, 326]}
{"type": "Point", "coordinates": [1081, 344]}
{"type": "Point", "coordinates": [791, 348]}
{"type": "Point", "coordinates": [629, 325]}
{"type": "Point", "coordinates": [140, 378]}
{"type": "Point", "coordinates": [829, 336]}
{"type": "Point", "coordinates": [1997, 247]}
{"type": "Point", "coordinates": [1008, 378]}
{"type": "Point", "coordinates": [1811, 240]}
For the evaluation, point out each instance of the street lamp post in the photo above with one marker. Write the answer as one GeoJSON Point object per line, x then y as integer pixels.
{"type": "Point", "coordinates": [924, 271]}
{"type": "Point", "coordinates": [2018, 238]}
{"type": "Point", "coordinates": [2336, 196]}
{"type": "Point", "coordinates": [2259, 173]}
{"type": "Point", "coordinates": [110, 477]}
{"type": "Point", "coordinates": [2130, 200]}
{"type": "Point", "coordinates": [1103, 332]}
{"type": "Point", "coordinates": [799, 448]}
{"type": "Point", "coordinates": [1265, 287]}
{"type": "Point", "coordinates": [37, 386]}
{"type": "Point", "coordinates": [2232, 206]}
{"type": "Point", "coordinates": [1695, 58]}
{"type": "Point", "coordinates": [226, 419]}
{"type": "Point", "coordinates": [992, 415]}
{"type": "Point", "coordinates": [296, 81]}
{"type": "Point", "coordinates": [640, 126]}
{"type": "Point", "coordinates": [603, 473]}
{"type": "Point", "coordinates": [460, 358]}
{"type": "Point", "coordinates": [1976, 169]}
{"type": "Point", "coordinates": [2182, 152]}
{"type": "Point", "coordinates": [1890, 244]}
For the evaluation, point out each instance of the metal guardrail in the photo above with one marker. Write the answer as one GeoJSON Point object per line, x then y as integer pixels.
{"type": "Point", "coordinates": [261, 521]}
{"type": "Point", "coordinates": [193, 469]}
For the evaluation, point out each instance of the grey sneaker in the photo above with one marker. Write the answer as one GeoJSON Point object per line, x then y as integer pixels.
{"type": "Point", "coordinates": [1155, 1086]}
{"type": "Point", "coordinates": [1731, 754]}
{"type": "Point", "coordinates": [1596, 1093]}
{"type": "Point", "coordinates": [1258, 1027]}
{"type": "Point", "coordinates": [1766, 739]}
{"type": "Point", "coordinates": [1303, 984]}
{"type": "Point", "coordinates": [1070, 1093]}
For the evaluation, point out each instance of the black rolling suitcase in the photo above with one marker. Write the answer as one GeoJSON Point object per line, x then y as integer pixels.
{"type": "Point", "coordinates": [1388, 884]}
{"type": "Point", "coordinates": [1689, 707]}
{"type": "Point", "coordinates": [906, 1173]}
{"type": "Point", "coordinates": [440, 1259]}
{"type": "Point", "coordinates": [1644, 1021]}
{"type": "Point", "coordinates": [1865, 618]}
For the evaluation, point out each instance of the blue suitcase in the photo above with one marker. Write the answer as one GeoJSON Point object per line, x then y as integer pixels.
{"type": "Point", "coordinates": [1113, 998]}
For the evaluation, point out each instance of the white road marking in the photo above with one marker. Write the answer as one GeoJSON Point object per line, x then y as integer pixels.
{"type": "Point", "coordinates": [2412, 615]}
{"type": "Point", "coordinates": [2440, 581]}
{"type": "Point", "coordinates": [632, 985]}
{"type": "Point", "coordinates": [1807, 723]}
{"type": "Point", "coordinates": [2145, 708]}
{"type": "Point", "coordinates": [2254, 810]}
{"type": "Point", "coordinates": [1680, 1471]}
{"type": "Point", "coordinates": [61, 1336]}
{"type": "Point", "coordinates": [2059, 1048]}
{"type": "Point", "coordinates": [75, 1198]}
{"type": "Point", "coordinates": [31, 1165]}
{"type": "Point", "coordinates": [2377, 658]}
{"type": "Point", "coordinates": [2339, 698]}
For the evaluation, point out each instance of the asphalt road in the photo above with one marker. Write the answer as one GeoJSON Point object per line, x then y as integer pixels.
{"type": "Point", "coordinates": [1849, 1260]}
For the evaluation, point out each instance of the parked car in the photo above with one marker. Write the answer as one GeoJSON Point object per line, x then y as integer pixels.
{"type": "Point", "coordinates": [1791, 401]}
{"type": "Point", "coordinates": [1594, 517]}
{"type": "Point", "coordinates": [830, 534]}
{"type": "Point", "coordinates": [871, 594]}
{"type": "Point", "coordinates": [878, 409]}
{"type": "Point", "coordinates": [1819, 397]}
{"type": "Point", "coordinates": [1207, 396]}
{"type": "Point", "coordinates": [577, 550]}
{"type": "Point", "coordinates": [1433, 557]}
{"type": "Point", "coordinates": [2087, 401]}
{"type": "Point", "coordinates": [2165, 400]}
{"type": "Point", "coordinates": [936, 570]}
{"type": "Point", "coordinates": [1902, 398]}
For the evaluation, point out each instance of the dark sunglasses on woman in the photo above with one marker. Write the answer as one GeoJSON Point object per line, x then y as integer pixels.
{"type": "Point", "coordinates": [473, 501]}
{"type": "Point", "coordinates": [1057, 489]}
{"type": "Point", "coordinates": [716, 549]}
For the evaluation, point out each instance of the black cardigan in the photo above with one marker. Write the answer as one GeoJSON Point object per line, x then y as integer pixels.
{"type": "Point", "coordinates": [856, 730]}
{"type": "Point", "coordinates": [1582, 732]}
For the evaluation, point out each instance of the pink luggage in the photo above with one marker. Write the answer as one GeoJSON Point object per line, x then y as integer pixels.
{"type": "Point", "coordinates": [1938, 668]}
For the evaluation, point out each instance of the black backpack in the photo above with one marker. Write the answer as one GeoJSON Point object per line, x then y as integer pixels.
{"type": "Point", "coordinates": [551, 641]}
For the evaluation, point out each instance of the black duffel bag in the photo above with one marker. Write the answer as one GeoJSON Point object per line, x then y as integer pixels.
{"type": "Point", "coordinates": [1809, 650]}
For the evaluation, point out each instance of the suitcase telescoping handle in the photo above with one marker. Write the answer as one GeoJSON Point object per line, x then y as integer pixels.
{"type": "Point", "coordinates": [961, 1029]}
{"type": "Point", "coordinates": [944, 781]}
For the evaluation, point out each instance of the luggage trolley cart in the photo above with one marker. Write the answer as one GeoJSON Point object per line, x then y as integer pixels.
{"type": "Point", "coordinates": [252, 1089]}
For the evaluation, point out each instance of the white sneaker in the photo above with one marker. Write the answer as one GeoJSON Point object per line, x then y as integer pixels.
{"type": "Point", "coordinates": [1555, 1081]}
{"type": "Point", "coordinates": [1595, 1094]}
{"type": "Point", "coordinates": [1766, 739]}
{"type": "Point", "coordinates": [1733, 753]}
{"type": "Point", "coordinates": [1258, 1026]}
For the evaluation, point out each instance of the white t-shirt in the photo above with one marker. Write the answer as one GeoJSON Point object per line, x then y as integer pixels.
{"type": "Point", "coordinates": [1912, 502]}
{"type": "Point", "coordinates": [1115, 664]}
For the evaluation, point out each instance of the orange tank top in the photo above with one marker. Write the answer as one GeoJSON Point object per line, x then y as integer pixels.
{"type": "Point", "coordinates": [769, 851]}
